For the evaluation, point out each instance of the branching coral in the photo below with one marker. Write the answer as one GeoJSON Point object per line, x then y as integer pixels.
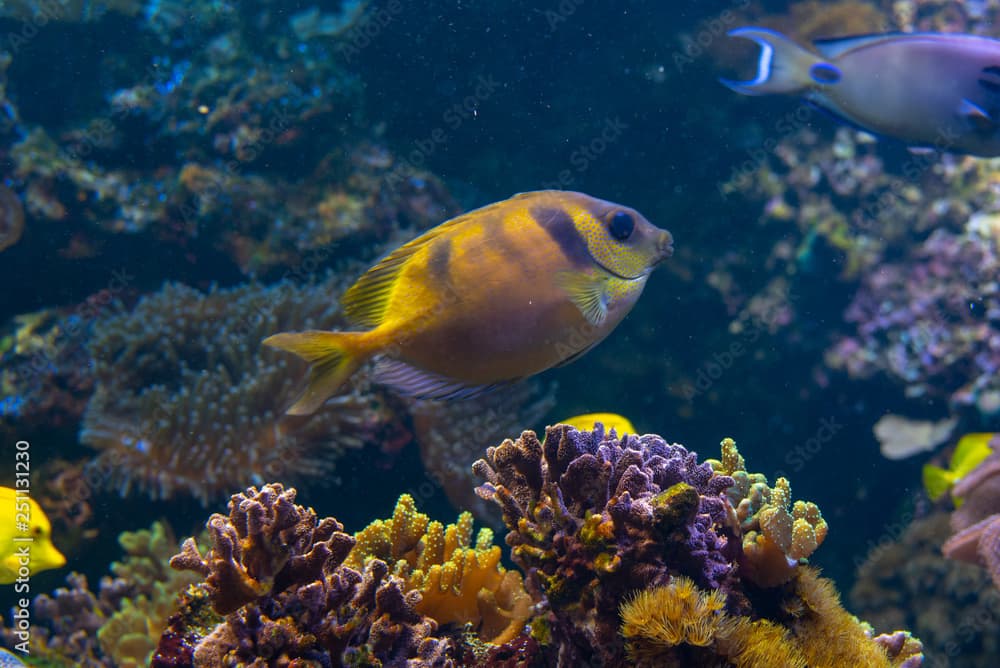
{"type": "Point", "coordinates": [592, 518]}
{"type": "Point", "coordinates": [280, 576]}
{"type": "Point", "coordinates": [187, 400]}
{"type": "Point", "coordinates": [458, 584]}
{"type": "Point", "coordinates": [776, 533]}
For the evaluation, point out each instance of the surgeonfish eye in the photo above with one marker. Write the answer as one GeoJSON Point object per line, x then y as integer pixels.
{"type": "Point", "coordinates": [824, 73]}
{"type": "Point", "coordinates": [621, 226]}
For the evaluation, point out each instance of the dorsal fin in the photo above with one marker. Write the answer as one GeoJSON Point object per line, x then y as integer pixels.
{"type": "Point", "coordinates": [835, 47]}
{"type": "Point", "coordinates": [365, 302]}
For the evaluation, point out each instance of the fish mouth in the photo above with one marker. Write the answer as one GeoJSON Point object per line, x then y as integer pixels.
{"type": "Point", "coordinates": [664, 249]}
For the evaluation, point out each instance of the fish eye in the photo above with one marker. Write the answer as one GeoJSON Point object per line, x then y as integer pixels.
{"type": "Point", "coordinates": [621, 226]}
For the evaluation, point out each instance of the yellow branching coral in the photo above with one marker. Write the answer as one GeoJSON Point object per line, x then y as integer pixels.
{"type": "Point", "coordinates": [458, 583]}
{"type": "Point", "coordinates": [776, 532]}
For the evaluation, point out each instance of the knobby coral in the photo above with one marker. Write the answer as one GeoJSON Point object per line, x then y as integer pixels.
{"type": "Point", "coordinates": [776, 533]}
{"type": "Point", "coordinates": [189, 402]}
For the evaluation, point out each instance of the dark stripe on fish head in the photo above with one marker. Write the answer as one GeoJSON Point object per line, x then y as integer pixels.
{"type": "Point", "coordinates": [561, 229]}
{"type": "Point", "coordinates": [439, 260]}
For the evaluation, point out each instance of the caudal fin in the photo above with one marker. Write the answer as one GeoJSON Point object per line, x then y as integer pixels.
{"type": "Point", "coordinates": [937, 481]}
{"type": "Point", "coordinates": [783, 66]}
{"type": "Point", "coordinates": [332, 356]}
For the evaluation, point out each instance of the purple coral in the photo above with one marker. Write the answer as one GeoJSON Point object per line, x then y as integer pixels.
{"type": "Point", "coordinates": [931, 323]}
{"type": "Point", "coordinates": [278, 575]}
{"type": "Point", "coordinates": [593, 517]}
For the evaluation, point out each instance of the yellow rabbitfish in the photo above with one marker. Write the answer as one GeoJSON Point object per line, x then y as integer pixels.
{"type": "Point", "coordinates": [619, 423]}
{"type": "Point", "coordinates": [971, 450]}
{"type": "Point", "coordinates": [490, 297]}
{"type": "Point", "coordinates": [21, 518]}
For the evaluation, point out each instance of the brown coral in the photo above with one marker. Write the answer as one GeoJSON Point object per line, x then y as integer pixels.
{"type": "Point", "coordinates": [458, 583]}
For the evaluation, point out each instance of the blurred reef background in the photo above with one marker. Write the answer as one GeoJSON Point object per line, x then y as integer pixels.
{"type": "Point", "coordinates": [183, 179]}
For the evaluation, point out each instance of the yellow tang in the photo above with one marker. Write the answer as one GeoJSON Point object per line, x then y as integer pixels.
{"type": "Point", "coordinates": [619, 423]}
{"type": "Point", "coordinates": [971, 450]}
{"type": "Point", "coordinates": [490, 297]}
{"type": "Point", "coordinates": [39, 554]}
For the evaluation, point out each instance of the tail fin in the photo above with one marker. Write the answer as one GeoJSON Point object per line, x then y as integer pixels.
{"type": "Point", "coordinates": [937, 481]}
{"type": "Point", "coordinates": [783, 66]}
{"type": "Point", "coordinates": [333, 357]}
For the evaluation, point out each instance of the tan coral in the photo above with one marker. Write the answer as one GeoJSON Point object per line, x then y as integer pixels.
{"type": "Point", "coordinates": [458, 583]}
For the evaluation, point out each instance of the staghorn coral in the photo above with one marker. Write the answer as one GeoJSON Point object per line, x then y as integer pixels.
{"type": "Point", "coordinates": [950, 605]}
{"type": "Point", "coordinates": [776, 533]}
{"type": "Point", "coordinates": [279, 575]}
{"type": "Point", "coordinates": [117, 626]}
{"type": "Point", "coordinates": [592, 517]}
{"type": "Point", "coordinates": [458, 584]}
{"type": "Point", "coordinates": [976, 520]}
{"type": "Point", "coordinates": [188, 402]}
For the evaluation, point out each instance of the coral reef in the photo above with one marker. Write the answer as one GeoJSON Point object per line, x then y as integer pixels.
{"type": "Point", "coordinates": [187, 401]}
{"type": "Point", "coordinates": [458, 584]}
{"type": "Point", "coordinates": [951, 606]}
{"type": "Point", "coordinates": [592, 518]}
{"type": "Point", "coordinates": [680, 625]}
{"type": "Point", "coordinates": [776, 533]}
{"type": "Point", "coordinates": [118, 626]}
{"type": "Point", "coordinates": [976, 520]}
{"type": "Point", "coordinates": [279, 575]}
{"type": "Point", "coordinates": [931, 323]}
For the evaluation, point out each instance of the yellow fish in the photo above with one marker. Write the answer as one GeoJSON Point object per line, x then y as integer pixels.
{"type": "Point", "coordinates": [585, 422]}
{"type": "Point", "coordinates": [971, 450]}
{"type": "Point", "coordinates": [490, 297]}
{"type": "Point", "coordinates": [22, 517]}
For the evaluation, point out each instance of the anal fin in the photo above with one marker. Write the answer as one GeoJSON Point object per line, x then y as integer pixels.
{"type": "Point", "coordinates": [411, 381]}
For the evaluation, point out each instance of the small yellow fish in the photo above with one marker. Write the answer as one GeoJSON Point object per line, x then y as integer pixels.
{"type": "Point", "coordinates": [971, 450]}
{"type": "Point", "coordinates": [39, 554]}
{"type": "Point", "coordinates": [619, 423]}
{"type": "Point", "coordinates": [490, 297]}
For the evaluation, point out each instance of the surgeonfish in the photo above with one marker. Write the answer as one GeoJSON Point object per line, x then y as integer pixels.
{"type": "Point", "coordinates": [937, 91]}
{"type": "Point", "coordinates": [619, 423]}
{"type": "Point", "coordinates": [490, 297]}
{"type": "Point", "coordinates": [971, 450]}
{"type": "Point", "coordinates": [21, 518]}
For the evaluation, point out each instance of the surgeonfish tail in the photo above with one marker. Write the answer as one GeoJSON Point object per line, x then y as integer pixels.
{"type": "Point", "coordinates": [332, 356]}
{"type": "Point", "coordinates": [937, 481]}
{"type": "Point", "coordinates": [783, 66]}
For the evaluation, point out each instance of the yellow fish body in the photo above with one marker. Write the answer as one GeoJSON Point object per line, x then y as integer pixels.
{"type": "Point", "coordinates": [490, 297]}
{"type": "Point", "coordinates": [971, 450]}
{"type": "Point", "coordinates": [619, 423]}
{"type": "Point", "coordinates": [21, 517]}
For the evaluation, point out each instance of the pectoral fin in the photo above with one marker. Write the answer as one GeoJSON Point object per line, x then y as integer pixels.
{"type": "Point", "coordinates": [588, 292]}
{"type": "Point", "coordinates": [977, 117]}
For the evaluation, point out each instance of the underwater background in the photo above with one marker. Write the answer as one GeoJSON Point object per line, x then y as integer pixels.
{"type": "Point", "coordinates": [183, 179]}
